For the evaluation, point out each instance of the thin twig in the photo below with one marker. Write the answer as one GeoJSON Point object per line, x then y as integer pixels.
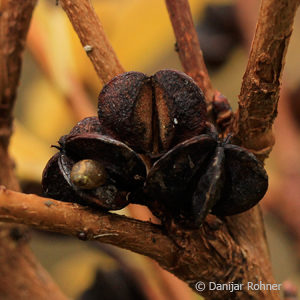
{"type": "Point", "coordinates": [187, 45]}
{"type": "Point", "coordinates": [190, 255]}
{"type": "Point", "coordinates": [21, 277]}
{"type": "Point", "coordinates": [72, 219]}
{"type": "Point", "coordinates": [282, 198]}
{"type": "Point", "coordinates": [92, 37]}
{"type": "Point", "coordinates": [261, 82]}
{"type": "Point", "coordinates": [13, 30]}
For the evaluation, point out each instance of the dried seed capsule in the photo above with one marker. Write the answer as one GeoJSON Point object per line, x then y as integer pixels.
{"type": "Point", "coordinates": [86, 125]}
{"type": "Point", "coordinates": [88, 174]}
{"type": "Point", "coordinates": [84, 152]}
{"type": "Point", "coordinates": [164, 116]}
{"type": "Point", "coordinates": [246, 182]}
{"type": "Point", "coordinates": [152, 114]}
{"type": "Point", "coordinates": [172, 179]}
{"type": "Point", "coordinates": [121, 163]}
{"type": "Point", "coordinates": [203, 175]}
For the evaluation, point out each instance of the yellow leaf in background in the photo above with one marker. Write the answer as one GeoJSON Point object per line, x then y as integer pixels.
{"type": "Point", "coordinates": [62, 60]}
{"type": "Point", "coordinates": [47, 114]}
{"type": "Point", "coordinates": [30, 153]}
{"type": "Point", "coordinates": [76, 272]}
{"type": "Point", "coordinates": [49, 31]}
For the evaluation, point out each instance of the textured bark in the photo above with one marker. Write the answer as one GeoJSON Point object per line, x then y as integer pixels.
{"type": "Point", "coordinates": [14, 25]}
{"type": "Point", "coordinates": [282, 198]}
{"type": "Point", "coordinates": [92, 37]}
{"type": "Point", "coordinates": [212, 253]}
{"type": "Point", "coordinates": [21, 277]}
{"type": "Point", "coordinates": [187, 45]}
{"type": "Point", "coordinates": [261, 82]}
{"type": "Point", "coordinates": [73, 219]}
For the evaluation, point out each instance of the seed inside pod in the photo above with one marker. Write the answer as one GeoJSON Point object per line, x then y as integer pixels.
{"type": "Point", "coordinates": [88, 174]}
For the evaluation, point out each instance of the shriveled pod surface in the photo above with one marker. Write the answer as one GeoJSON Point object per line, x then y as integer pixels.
{"type": "Point", "coordinates": [93, 169]}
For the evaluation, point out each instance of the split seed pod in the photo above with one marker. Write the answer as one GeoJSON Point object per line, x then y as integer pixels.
{"type": "Point", "coordinates": [86, 153]}
{"type": "Point", "coordinates": [152, 114]}
{"type": "Point", "coordinates": [202, 175]}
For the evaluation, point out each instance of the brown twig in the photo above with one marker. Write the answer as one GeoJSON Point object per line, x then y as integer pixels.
{"type": "Point", "coordinates": [21, 277]}
{"type": "Point", "coordinates": [208, 254]}
{"type": "Point", "coordinates": [92, 37]}
{"type": "Point", "coordinates": [261, 82]}
{"type": "Point", "coordinates": [170, 286]}
{"type": "Point", "coordinates": [12, 32]}
{"type": "Point", "coordinates": [187, 45]}
{"type": "Point", "coordinates": [282, 198]}
{"type": "Point", "coordinates": [72, 219]}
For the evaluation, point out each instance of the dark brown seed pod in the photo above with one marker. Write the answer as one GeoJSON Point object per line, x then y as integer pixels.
{"type": "Point", "coordinates": [171, 181]}
{"type": "Point", "coordinates": [246, 181]}
{"type": "Point", "coordinates": [121, 162]}
{"type": "Point", "coordinates": [86, 125]}
{"type": "Point", "coordinates": [203, 175]}
{"type": "Point", "coordinates": [88, 174]}
{"type": "Point", "coordinates": [106, 196]}
{"type": "Point", "coordinates": [84, 150]}
{"type": "Point", "coordinates": [152, 114]}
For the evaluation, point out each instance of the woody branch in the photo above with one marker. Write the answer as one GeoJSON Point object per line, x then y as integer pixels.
{"type": "Point", "coordinates": [20, 274]}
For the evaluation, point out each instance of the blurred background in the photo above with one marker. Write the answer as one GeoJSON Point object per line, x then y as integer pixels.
{"type": "Point", "coordinates": [59, 87]}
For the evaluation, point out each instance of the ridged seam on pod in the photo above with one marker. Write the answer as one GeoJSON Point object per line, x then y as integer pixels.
{"type": "Point", "coordinates": [152, 114]}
